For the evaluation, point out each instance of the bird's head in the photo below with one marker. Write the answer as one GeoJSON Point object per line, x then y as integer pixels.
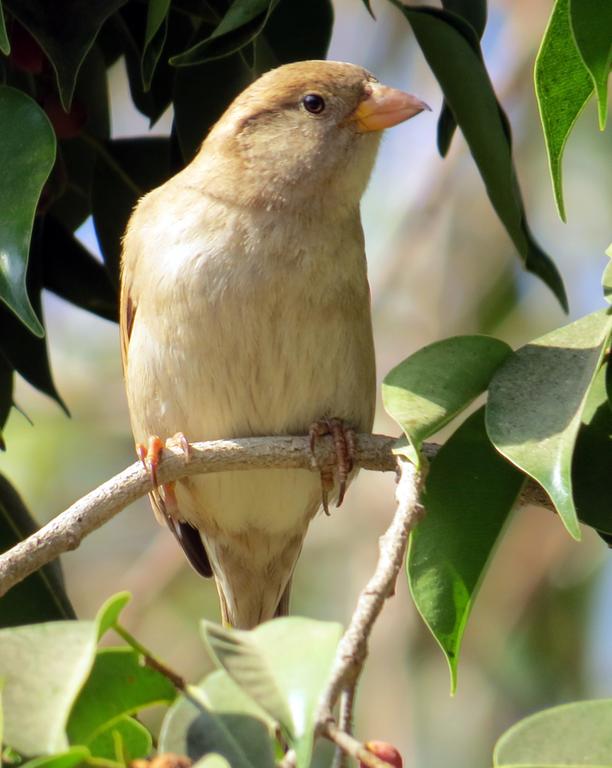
{"type": "Point", "coordinates": [305, 130]}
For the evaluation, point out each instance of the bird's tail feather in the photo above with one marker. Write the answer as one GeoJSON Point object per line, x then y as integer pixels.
{"type": "Point", "coordinates": [282, 609]}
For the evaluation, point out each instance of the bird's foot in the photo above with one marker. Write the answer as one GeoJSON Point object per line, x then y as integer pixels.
{"type": "Point", "coordinates": [344, 445]}
{"type": "Point", "coordinates": [151, 454]}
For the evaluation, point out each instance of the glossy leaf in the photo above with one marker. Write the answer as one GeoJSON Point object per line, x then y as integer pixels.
{"type": "Point", "coordinates": [452, 50]}
{"type": "Point", "coordinates": [283, 665]}
{"type": "Point", "coordinates": [27, 153]}
{"type": "Point", "coordinates": [41, 596]}
{"type": "Point", "coordinates": [227, 722]}
{"type": "Point", "coordinates": [591, 23]}
{"type": "Point", "coordinates": [535, 405]}
{"type": "Point", "coordinates": [576, 735]}
{"type": "Point", "coordinates": [469, 494]}
{"type": "Point", "coordinates": [123, 740]}
{"type": "Point", "coordinates": [70, 271]}
{"type": "Point", "coordinates": [428, 389]}
{"type": "Point", "coordinates": [44, 666]}
{"type": "Point", "coordinates": [155, 37]}
{"type": "Point", "coordinates": [243, 21]}
{"type": "Point", "coordinates": [66, 44]}
{"type": "Point", "coordinates": [474, 12]}
{"type": "Point", "coordinates": [5, 45]}
{"type": "Point", "coordinates": [71, 757]}
{"type": "Point", "coordinates": [119, 684]}
{"type": "Point", "coordinates": [563, 87]}
{"type": "Point", "coordinates": [592, 459]}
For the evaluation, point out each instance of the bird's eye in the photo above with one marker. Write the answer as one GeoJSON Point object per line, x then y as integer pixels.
{"type": "Point", "coordinates": [313, 103]}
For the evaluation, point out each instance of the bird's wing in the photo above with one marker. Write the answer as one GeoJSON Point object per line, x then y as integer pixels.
{"type": "Point", "coordinates": [188, 537]}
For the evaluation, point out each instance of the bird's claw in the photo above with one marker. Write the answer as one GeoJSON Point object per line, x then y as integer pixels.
{"type": "Point", "coordinates": [344, 445]}
{"type": "Point", "coordinates": [151, 454]}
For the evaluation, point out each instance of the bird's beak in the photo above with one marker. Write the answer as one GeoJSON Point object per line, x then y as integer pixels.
{"type": "Point", "coordinates": [383, 107]}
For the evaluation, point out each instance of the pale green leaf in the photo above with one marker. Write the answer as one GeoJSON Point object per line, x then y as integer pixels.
{"type": "Point", "coordinates": [429, 388]}
{"type": "Point", "coordinates": [109, 612]}
{"type": "Point", "coordinates": [123, 740]}
{"type": "Point", "coordinates": [535, 405]}
{"type": "Point", "coordinates": [67, 759]}
{"type": "Point", "coordinates": [575, 735]}
{"type": "Point", "coordinates": [563, 87]}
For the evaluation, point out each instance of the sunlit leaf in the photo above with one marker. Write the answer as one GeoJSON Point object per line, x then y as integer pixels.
{"type": "Point", "coordinates": [123, 740]}
{"type": "Point", "coordinates": [591, 23]}
{"type": "Point", "coordinates": [535, 405]}
{"type": "Point", "coordinates": [109, 612]}
{"type": "Point", "coordinates": [66, 44]}
{"type": "Point", "coordinates": [230, 724]}
{"type": "Point", "coordinates": [470, 491]}
{"type": "Point", "coordinates": [118, 684]}
{"type": "Point", "coordinates": [428, 389]}
{"type": "Point", "coordinates": [27, 153]}
{"type": "Point", "coordinates": [6, 394]}
{"type": "Point", "coordinates": [452, 50]}
{"type": "Point", "coordinates": [42, 595]}
{"type": "Point", "coordinates": [576, 735]}
{"type": "Point", "coordinates": [283, 665]}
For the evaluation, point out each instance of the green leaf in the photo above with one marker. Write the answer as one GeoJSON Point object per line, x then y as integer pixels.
{"type": "Point", "coordinates": [469, 494]}
{"type": "Point", "coordinates": [226, 721]}
{"type": "Point", "coordinates": [283, 665]}
{"type": "Point", "coordinates": [67, 43]}
{"type": "Point", "coordinates": [212, 761]}
{"type": "Point", "coordinates": [6, 394]}
{"type": "Point", "coordinates": [572, 735]}
{"type": "Point", "coordinates": [562, 87]}
{"type": "Point", "coordinates": [474, 12]}
{"type": "Point", "coordinates": [70, 271]}
{"type": "Point", "coordinates": [122, 741]}
{"type": "Point", "coordinates": [591, 23]}
{"type": "Point", "coordinates": [44, 666]}
{"type": "Point", "coordinates": [155, 37]}
{"type": "Point", "coordinates": [5, 46]}
{"type": "Point", "coordinates": [27, 153]}
{"type": "Point", "coordinates": [71, 757]}
{"type": "Point", "coordinates": [109, 612]}
{"type": "Point", "coordinates": [452, 50]}
{"type": "Point", "coordinates": [428, 389]}
{"type": "Point", "coordinates": [42, 596]}
{"type": "Point", "coordinates": [592, 458]}
{"type": "Point", "coordinates": [606, 278]}
{"type": "Point", "coordinates": [119, 684]}
{"type": "Point", "coordinates": [242, 23]}
{"type": "Point", "coordinates": [536, 401]}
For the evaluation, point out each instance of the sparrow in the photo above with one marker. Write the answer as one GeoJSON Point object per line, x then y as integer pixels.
{"type": "Point", "coordinates": [245, 311]}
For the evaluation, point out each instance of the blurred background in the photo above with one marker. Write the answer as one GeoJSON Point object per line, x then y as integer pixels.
{"type": "Point", "coordinates": [440, 264]}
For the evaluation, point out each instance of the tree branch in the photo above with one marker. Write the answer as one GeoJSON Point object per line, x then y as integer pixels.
{"type": "Point", "coordinates": [66, 531]}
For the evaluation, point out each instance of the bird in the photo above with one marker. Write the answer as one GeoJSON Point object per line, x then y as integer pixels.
{"type": "Point", "coordinates": [245, 311]}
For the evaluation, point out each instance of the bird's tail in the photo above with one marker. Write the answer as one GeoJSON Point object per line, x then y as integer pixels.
{"type": "Point", "coordinates": [230, 618]}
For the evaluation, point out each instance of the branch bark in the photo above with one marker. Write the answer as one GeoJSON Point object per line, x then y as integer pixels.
{"type": "Point", "coordinates": [66, 531]}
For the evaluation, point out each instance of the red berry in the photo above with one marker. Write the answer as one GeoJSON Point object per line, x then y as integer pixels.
{"type": "Point", "coordinates": [26, 54]}
{"type": "Point", "coordinates": [384, 751]}
{"type": "Point", "coordinates": [67, 125]}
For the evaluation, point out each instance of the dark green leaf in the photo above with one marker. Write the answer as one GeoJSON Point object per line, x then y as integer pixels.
{"type": "Point", "coordinates": [193, 115]}
{"type": "Point", "coordinates": [27, 153]}
{"type": "Point", "coordinates": [65, 30]}
{"type": "Point", "coordinates": [155, 37]}
{"type": "Point", "coordinates": [593, 458]}
{"type": "Point", "coordinates": [71, 757]}
{"type": "Point", "coordinates": [475, 13]}
{"type": "Point", "coordinates": [283, 665]}
{"type": "Point", "coordinates": [428, 389]}
{"type": "Point", "coordinates": [43, 666]}
{"type": "Point", "coordinates": [42, 596]}
{"type": "Point", "coordinates": [535, 405]}
{"type": "Point", "coordinates": [70, 271]}
{"type": "Point", "coordinates": [5, 46]}
{"type": "Point", "coordinates": [369, 8]}
{"type": "Point", "coordinates": [298, 30]}
{"type": "Point", "coordinates": [563, 87]}
{"type": "Point", "coordinates": [119, 684]}
{"type": "Point", "coordinates": [469, 494]}
{"type": "Point", "coordinates": [576, 735]}
{"type": "Point", "coordinates": [452, 50]}
{"type": "Point", "coordinates": [226, 722]}
{"type": "Point", "coordinates": [591, 22]}
{"type": "Point", "coordinates": [123, 740]}
{"type": "Point", "coordinates": [243, 22]}
{"type": "Point", "coordinates": [125, 170]}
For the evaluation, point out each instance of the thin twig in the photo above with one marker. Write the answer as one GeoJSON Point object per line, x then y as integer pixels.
{"type": "Point", "coordinates": [353, 647]}
{"type": "Point", "coordinates": [66, 531]}
{"type": "Point", "coordinates": [345, 723]}
{"type": "Point", "coordinates": [350, 746]}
